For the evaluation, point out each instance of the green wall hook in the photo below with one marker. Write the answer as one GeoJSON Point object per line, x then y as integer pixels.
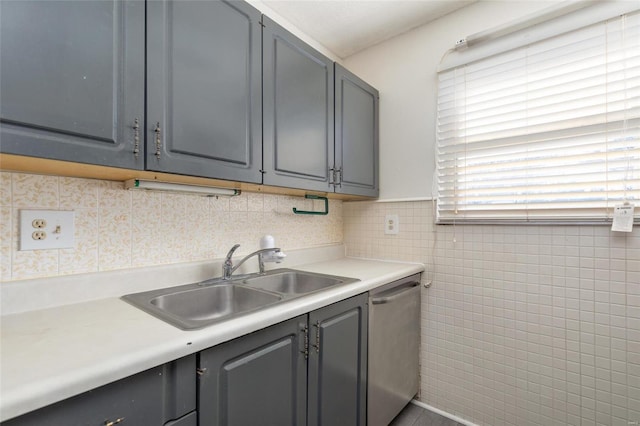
{"type": "Point", "coordinates": [314, 197]}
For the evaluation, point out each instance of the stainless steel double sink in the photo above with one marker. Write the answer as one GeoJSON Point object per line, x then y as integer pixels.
{"type": "Point", "coordinates": [198, 305]}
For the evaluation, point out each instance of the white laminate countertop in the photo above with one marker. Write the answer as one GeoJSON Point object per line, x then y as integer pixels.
{"type": "Point", "coordinates": [51, 354]}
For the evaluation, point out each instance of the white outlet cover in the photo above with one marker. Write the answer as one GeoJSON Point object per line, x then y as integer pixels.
{"type": "Point", "coordinates": [59, 229]}
{"type": "Point", "coordinates": [391, 224]}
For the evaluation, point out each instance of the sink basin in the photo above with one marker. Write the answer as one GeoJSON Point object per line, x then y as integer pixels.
{"type": "Point", "coordinates": [195, 306]}
{"type": "Point", "coordinates": [198, 305]}
{"type": "Point", "coordinates": [292, 282]}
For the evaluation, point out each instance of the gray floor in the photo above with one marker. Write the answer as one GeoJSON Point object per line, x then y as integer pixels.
{"type": "Point", "coordinates": [412, 415]}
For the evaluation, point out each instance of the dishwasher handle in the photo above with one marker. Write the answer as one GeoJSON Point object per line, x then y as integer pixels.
{"type": "Point", "coordinates": [395, 295]}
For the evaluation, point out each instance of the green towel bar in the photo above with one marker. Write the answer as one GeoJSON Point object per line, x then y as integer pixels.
{"type": "Point", "coordinates": [314, 197]}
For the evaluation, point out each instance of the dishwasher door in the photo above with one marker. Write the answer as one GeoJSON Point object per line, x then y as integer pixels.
{"type": "Point", "coordinates": [394, 342]}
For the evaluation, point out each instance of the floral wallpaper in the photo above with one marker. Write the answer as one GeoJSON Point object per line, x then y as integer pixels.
{"type": "Point", "coordinates": [118, 229]}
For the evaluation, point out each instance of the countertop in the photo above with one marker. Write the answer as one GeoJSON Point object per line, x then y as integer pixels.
{"type": "Point", "coordinates": [48, 355]}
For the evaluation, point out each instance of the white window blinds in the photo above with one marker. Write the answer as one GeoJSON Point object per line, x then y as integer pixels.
{"type": "Point", "coordinates": [545, 132]}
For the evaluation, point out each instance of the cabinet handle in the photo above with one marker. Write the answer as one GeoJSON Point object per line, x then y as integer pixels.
{"type": "Point", "coordinates": [115, 422]}
{"type": "Point", "coordinates": [136, 137]}
{"type": "Point", "coordinates": [335, 176]}
{"type": "Point", "coordinates": [305, 331]}
{"type": "Point", "coordinates": [317, 345]}
{"type": "Point", "coordinates": [158, 140]}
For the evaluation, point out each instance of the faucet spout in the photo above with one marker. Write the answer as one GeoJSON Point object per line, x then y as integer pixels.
{"type": "Point", "coordinates": [228, 268]}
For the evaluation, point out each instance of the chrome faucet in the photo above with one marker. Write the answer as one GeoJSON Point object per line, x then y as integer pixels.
{"type": "Point", "coordinates": [228, 269]}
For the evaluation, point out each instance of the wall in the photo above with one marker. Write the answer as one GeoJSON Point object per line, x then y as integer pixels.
{"type": "Point", "coordinates": [119, 229]}
{"type": "Point", "coordinates": [275, 16]}
{"type": "Point", "coordinates": [523, 325]}
{"type": "Point", "coordinates": [403, 69]}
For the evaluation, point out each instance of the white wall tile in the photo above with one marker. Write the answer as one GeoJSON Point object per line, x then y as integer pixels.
{"type": "Point", "coordinates": [523, 325]}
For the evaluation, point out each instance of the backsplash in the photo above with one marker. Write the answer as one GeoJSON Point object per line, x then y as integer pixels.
{"type": "Point", "coordinates": [118, 229]}
{"type": "Point", "coordinates": [523, 325]}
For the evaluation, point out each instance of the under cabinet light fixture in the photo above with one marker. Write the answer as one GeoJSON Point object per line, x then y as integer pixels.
{"type": "Point", "coordinates": [152, 185]}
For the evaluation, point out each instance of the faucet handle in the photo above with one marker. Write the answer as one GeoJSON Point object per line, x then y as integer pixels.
{"type": "Point", "coordinates": [230, 253]}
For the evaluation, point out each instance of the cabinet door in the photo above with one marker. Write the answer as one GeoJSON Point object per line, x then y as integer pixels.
{"type": "Point", "coordinates": [298, 112]}
{"type": "Point", "coordinates": [338, 364]}
{"type": "Point", "coordinates": [72, 80]}
{"type": "Point", "coordinates": [204, 103]}
{"type": "Point", "coordinates": [150, 398]}
{"type": "Point", "coordinates": [258, 379]}
{"type": "Point", "coordinates": [356, 134]}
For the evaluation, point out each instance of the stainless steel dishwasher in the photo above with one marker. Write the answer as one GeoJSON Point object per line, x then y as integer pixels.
{"type": "Point", "coordinates": [394, 342]}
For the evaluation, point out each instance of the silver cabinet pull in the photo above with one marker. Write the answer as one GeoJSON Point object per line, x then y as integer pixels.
{"type": "Point", "coordinates": [332, 176]}
{"type": "Point", "coordinates": [317, 345]}
{"type": "Point", "coordinates": [136, 137]}
{"type": "Point", "coordinates": [114, 422]}
{"type": "Point", "coordinates": [305, 331]}
{"type": "Point", "coordinates": [335, 176]}
{"type": "Point", "coordinates": [158, 140]}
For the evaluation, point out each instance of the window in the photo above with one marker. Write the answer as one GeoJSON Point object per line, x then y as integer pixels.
{"type": "Point", "coordinates": [546, 132]}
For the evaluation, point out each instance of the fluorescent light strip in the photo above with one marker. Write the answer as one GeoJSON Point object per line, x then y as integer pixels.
{"type": "Point", "coordinates": [152, 185]}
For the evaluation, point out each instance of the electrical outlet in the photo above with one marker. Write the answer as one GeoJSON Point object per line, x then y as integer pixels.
{"type": "Point", "coordinates": [39, 235]}
{"type": "Point", "coordinates": [391, 224]}
{"type": "Point", "coordinates": [46, 229]}
{"type": "Point", "coordinates": [39, 223]}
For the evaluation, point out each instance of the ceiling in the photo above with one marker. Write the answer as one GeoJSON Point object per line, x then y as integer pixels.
{"type": "Point", "coordinates": [346, 27]}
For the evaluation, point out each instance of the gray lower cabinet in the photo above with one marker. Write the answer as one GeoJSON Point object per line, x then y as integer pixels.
{"type": "Point", "coordinates": [338, 364]}
{"type": "Point", "coordinates": [308, 370]}
{"type": "Point", "coordinates": [259, 379]}
{"type": "Point", "coordinates": [164, 395]}
{"type": "Point", "coordinates": [298, 112]}
{"type": "Point", "coordinates": [204, 89]}
{"type": "Point", "coordinates": [356, 134]}
{"type": "Point", "coordinates": [72, 80]}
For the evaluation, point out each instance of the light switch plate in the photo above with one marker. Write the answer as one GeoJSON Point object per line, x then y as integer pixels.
{"type": "Point", "coordinates": [391, 224]}
{"type": "Point", "coordinates": [46, 229]}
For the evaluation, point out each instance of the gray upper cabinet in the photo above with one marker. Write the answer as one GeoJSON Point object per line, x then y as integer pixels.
{"type": "Point", "coordinates": [338, 364]}
{"type": "Point", "coordinates": [204, 89]}
{"type": "Point", "coordinates": [302, 147]}
{"type": "Point", "coordinates": [356, 134]}
{"type": "Point", "coordinates": [72, 80]}
{"type": "Point", "coordinates": [258, 379]}
{"type": "Point", "coordinates": [298, 112]}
